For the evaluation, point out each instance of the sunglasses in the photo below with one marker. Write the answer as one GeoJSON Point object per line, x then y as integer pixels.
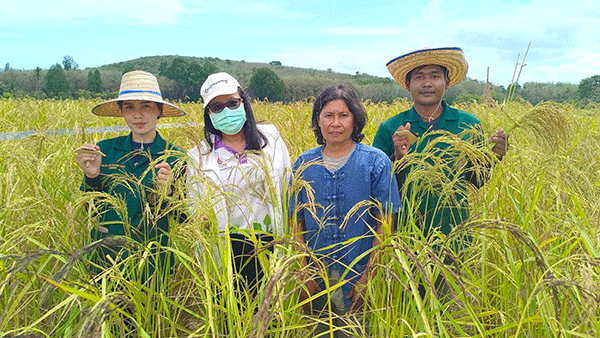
{"type": "Point", "coordinates": [218, 107]}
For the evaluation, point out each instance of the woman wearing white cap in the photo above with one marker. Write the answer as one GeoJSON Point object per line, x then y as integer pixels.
{"type": "Point", "coordinates": [139, 169]}
{"type": "Point", "coordinates": [241, 166]}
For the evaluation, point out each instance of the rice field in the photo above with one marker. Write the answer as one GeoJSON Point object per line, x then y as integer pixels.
{"type": "Point", "coordinates": [531, 271]}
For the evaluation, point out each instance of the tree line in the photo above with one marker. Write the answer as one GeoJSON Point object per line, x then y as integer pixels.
{"type": "Point", "coordinates": [180, 79]}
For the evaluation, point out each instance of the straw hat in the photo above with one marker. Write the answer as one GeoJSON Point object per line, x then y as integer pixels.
{"type": "Point", "coordinates": [450, 57]}
{"type": "Point", "coordinates": [137, 85]}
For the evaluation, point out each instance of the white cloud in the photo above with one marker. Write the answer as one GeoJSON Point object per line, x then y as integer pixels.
{"type": "Point", "coordinates": [493, 33]}
{"type": "Point", "coordinates": [565, 43]}
{"type": "Point", "coordinates": [246, 9]}
{"type": "Point", "coordinates": [267, 9]}
{"type": "Point", "coordinates": [362, 31]}
{"type": "Point", "coordinates": [569, 72]}
{"type": "Point", "coordinates": [146, 12]}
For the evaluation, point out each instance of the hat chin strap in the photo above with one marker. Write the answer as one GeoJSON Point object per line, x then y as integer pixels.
{"type": "Point", "coordinates": [433, 115]}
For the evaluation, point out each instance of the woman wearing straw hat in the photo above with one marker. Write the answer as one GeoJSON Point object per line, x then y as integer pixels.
{"type": "Point", "coordinates": [138, 169]}
{"type": "Point", "coordinates": [427, 73]}
{"type": "Point", "coordinates": [239, 170]}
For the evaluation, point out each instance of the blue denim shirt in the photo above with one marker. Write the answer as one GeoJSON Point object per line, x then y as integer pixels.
{"type": "Point", "coordinates": [366, 176]}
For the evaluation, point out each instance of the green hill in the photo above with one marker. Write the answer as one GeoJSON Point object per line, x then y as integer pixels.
{"type": "Point", "coordinates": [300, 83]}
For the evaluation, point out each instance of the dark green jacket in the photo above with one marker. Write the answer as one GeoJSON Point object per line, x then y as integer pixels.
{"type": "Point", "coordinates": [441, 210]}
{"type": "Point", "coordinates": [145, 217]}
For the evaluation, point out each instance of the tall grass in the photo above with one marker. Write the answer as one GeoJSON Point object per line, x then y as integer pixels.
{"type": "Point", "coordinates": [531, 271]}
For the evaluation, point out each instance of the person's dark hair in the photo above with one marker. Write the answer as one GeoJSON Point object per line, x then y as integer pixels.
{"type": "Point", "coordinates": [340, 92]}
{"type": "Point", "coordinates": [409, 74]}
{"type": "Point", "coordinates": [158, 104]}
{"type": "Point", "coordinates": [255, 140]}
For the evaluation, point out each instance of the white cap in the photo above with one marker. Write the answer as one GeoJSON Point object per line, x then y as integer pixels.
{"type": "Point", "coordinates": [218, 84]}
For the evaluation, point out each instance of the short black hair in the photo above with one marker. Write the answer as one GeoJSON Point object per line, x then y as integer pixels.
{"type": "Point", "coordinates": [416, 69]}
{"type": "Point", "coordinates": [350, 96]}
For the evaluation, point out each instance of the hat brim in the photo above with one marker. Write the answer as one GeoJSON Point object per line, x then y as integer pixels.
{"type": "Point", "coordinates": [111, 108]}
{"type": "Point", "coordinates": [226, 90]}
{"type": "Point", "coordinates": [452, 58]}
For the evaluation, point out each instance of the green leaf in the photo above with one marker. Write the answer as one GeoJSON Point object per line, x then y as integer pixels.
{"type": "Point", "coordinates": [267, 221]}
{"type": "Point", "coordinates": [85, 295]}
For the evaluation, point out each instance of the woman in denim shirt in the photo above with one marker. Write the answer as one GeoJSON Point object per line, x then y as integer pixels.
{"type": "Point", "coordinates": [343, 173]}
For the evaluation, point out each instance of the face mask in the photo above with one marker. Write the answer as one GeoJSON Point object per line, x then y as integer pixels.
{"type": "Point", "coordinates": [229, 121]}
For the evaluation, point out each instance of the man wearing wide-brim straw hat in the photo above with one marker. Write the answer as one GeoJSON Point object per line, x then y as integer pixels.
{"type": "Point", "coordinates": [140, 168]}
{"type": "Point", "coordinates": [426, 74]}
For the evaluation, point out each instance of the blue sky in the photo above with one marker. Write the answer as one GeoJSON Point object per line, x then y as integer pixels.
{"type": "Point", "coordinates": [345, 35]}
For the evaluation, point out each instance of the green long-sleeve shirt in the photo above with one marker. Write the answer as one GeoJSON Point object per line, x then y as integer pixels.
{"type": "Point", "coordinates": [130, 181]}
{"type": "Point", "coordinates": [441, 205]}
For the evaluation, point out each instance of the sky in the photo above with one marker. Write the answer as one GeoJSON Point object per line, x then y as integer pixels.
{"type": "Point", "coordinates": [347, 36]}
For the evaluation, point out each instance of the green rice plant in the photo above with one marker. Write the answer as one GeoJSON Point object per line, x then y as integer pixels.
{"type": "Point", "coordinates": [532, 268]}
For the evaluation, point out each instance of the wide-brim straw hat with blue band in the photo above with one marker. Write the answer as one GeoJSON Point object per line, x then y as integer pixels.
{"type": "Point", "coordinates": [450, 57]}
{"type": "Point", "coordinates": [137, 85]}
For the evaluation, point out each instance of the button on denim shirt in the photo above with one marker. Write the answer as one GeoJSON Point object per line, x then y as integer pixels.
{"type": "Point", "coordinates": [366, 176]}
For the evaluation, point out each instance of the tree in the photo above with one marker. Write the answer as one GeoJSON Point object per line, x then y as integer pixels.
{"type": "Point", "coordinates": [7, 67]}
{"type": "Point", "coordinates": [129, 67]}
{"type": "Point", "coordinates": [589, 89]}
{"type": "Point", "coordinates": [163, 68]}
{"type": "Point", "coordinates": [536, 92]}
{"type": "Point", "coordinates": [94, 84]}
{"type": "Point", "coordinates": [38, 73]}
{"type": "Point", "coordinates": [69, 63]}
{"type": "Point", "coordinates": [468, 97]}
{"type": "Point", "coordinates": [209, 68]}
{"type": "Point", "coordinates": [188, 76]}
{"type": "Point", "coordinates": [265, 84]}
{"type": "Point", "coordinates": [195, 77]}
{"type": "Point", "coordinates": [56, 81]}
{"type": "Point", "coordinates": [178, 71]}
